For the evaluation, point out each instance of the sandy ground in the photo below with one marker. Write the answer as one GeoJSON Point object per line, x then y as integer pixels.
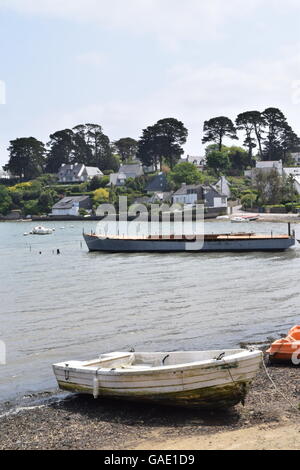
{"type": "Point", "coordinates": [268, 437]}
{"type": "Point", "coordinates": [267, 421]}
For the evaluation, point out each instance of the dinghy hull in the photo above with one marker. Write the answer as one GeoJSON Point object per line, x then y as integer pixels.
{"type": "Point", "coordinates": [207, 384]}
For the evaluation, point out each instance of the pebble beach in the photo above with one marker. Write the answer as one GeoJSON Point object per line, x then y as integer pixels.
{"type": "Point", "coordinates": [62, 422]}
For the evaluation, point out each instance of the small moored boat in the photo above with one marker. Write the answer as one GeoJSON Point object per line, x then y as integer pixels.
{"type": "Point", "coordinates": [40, 230]}
{"type": "Point", "coordinates": [202, 379]}
{"type": "Point", "coordinates": [286, 349]}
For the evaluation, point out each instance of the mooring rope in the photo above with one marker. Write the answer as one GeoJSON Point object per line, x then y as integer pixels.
{"type": "Point", "coordinates": [277, 389]}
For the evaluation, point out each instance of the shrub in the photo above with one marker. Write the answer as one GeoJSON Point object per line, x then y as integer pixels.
{"type": "Point", "coordinates": [248, 200]}
{"type": "Point", "coordinates": [32, 207]}
{"type": "Point", "coordinates": [101, 195]}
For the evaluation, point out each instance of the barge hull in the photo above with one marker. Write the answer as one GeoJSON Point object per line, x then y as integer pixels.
{"type": "Point", "coordinates": [118, 245]}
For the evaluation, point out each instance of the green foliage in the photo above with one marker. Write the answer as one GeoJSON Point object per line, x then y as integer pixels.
{"type": "Point", "coordinates": [97, 183]}
{"type": "Point", "coordinates": [32, 207]}
{"type": "Point", "coordinates": [249, 200]}
{"type": "Point", "coordinates": [184, 172]}
{"type": "Point", "coordinates": [269, 186]}
{"type": "Point", "coordinates": [46, 201]}
{"type": "Point", "coordinates": [216, 129]}
{"type": "Point", "coordinates": [136, 184]}
{"type": "Point", "coordinates": [47, 179]}
{"type": "Point", "coordinates": [26, 157]}
{"type": "Point", "coordinates": [61, 150]}
{"type": "Point", "coordinates": [218, 161]}
{"type": "Point", "coordinates": [162, 143]}
{"type": "Point", "coordinates": [6, 202]}
{"type": "Point", "coordinates": [126, 148]}
{"type": "Point", "coordinates": [82, 212]}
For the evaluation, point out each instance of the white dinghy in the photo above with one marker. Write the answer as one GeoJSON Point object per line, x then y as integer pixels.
{"type": "Point", "coordinates": [40, 230]}
{"type": "Point", "coordinates": [202, 379]}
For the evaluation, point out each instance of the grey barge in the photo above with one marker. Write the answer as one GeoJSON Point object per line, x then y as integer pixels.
{"type": "Point", "coordinates": [206, 243]}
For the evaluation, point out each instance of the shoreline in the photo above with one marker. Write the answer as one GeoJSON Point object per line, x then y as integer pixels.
{"type": "Point", "coordinates": [273, 218]}
{"type": "Point", "coordinates": [64, 421]}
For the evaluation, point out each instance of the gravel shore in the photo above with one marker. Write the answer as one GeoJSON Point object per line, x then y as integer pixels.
{"type": "Point", "coordinates": [80, 422]}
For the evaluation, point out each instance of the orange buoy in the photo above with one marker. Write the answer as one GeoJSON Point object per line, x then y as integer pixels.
{"type": "Point", "coordinates": [286, 349]}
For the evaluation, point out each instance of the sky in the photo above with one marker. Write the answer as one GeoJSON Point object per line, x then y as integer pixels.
{"type": "Point", "coordinates": [125, 64]}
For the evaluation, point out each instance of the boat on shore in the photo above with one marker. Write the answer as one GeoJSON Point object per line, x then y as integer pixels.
{"type": "Point", "coordinates": [201, 379]}
{"type": "Point", "coordinates": [209, 242]}
{"type": "Point", "coordinates": [245, 218]}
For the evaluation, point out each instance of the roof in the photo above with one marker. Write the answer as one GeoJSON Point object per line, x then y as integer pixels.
{"type": "Point", "coordinates": [158, 183]}
{"type": "Point", "coordinates": [132, 169]}
{"type": "Point", "coordinates": [93, 171]}
{"type": "Point", "coordinates": [196, 188]}
{"type": "Point", "coordinates": [68, 202]}
{"type": "Point", "coordinates": [269, 164]}
{"type": "Point", "coordinates": [71, 167]}
{"type": "Point", "coordinates": [185, 187]}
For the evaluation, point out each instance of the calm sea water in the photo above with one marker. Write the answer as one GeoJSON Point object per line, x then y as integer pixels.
{"type": "Point", "coordinates": [80, 304]}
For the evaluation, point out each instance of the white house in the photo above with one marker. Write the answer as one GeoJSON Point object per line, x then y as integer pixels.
{"type": "Point", "coordinates": [70, 205]}
{"type": "Point", "coordinates": [77, 173]}
{"type": "Point", "coordinates": [295, 173]}
{"type": "Point", "coordinates": [131, 170]}
{"type": "Point", "coordinates": [265, 166]}
{"type": "Point", "coordinates": [197, 160]}
{"type": "Point", "coordinates": [191, 194]}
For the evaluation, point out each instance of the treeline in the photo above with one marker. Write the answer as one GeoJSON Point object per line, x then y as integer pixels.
{"type": "Point", "coordinates": [267, 135]}
{"type": "Point", "coordinates": [267, 131]}
{"type": "Point", "coordinates": [87, 144]}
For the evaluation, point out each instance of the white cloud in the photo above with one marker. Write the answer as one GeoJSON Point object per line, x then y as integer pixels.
{"type": "Point", "coordinates": [167, 20]}
{"type": "Point", "coordinates": [196, 93]}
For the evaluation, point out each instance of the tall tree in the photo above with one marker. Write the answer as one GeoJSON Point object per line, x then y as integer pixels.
{"type": "Point", "coordinates": [244, 122]}
{"type": "Point", "coordinates": [61, 150]}
{"type": "Point", "coordinates": [126, 148]}
{"type": "Point", "coordinates": [258, 121]}
{"type": "Point", "coordinates": [147, 151]}
{"type": "Point", "coordinates": [171, 135]}
{"type": "Point", "coordinates": [217, 128]}
{"type": "Point", "coordinates": [269, 186]}
{"type": "Point", "coordinates": [26, 157]}
{"type": "Point", "coordinates": [162, 143]}
{"type": "Point", "coordinates": [92, 147]}
{"type": "Point", "coordinates": [289, 142]}
{"type": "Point", "coordinates": [238, 158]}
{"type": "Point", "coordinates": [275, 122]}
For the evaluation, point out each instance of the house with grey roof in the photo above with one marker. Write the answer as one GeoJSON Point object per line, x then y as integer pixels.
{"type": "Point", "coordinates": [223, 186]}
{"type": "Point", "coordinates": [77, 173]}
{"type": "Point", "coordinates": [129, 170]}
{"type": "Point", "coordinates": [159, 183]}
{"type": "Point", "coordinates": [193, 194]}
{"type": "Point", "coordinates": [70, 205]}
